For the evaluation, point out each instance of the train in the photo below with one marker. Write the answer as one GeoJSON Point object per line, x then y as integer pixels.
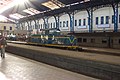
{"type": "Point", "coordinates": [53, 38]}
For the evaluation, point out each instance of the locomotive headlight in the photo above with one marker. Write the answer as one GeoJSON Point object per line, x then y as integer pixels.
{"type": "Point", "coordinates": [46, 37]}
{"type": "Point", "coordinates": [53, 37]}
{"type": "Point", "coordinates": [41, 36]}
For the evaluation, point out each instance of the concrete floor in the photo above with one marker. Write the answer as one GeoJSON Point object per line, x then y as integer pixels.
{"type": "Point", "coordinates": [18, 68]}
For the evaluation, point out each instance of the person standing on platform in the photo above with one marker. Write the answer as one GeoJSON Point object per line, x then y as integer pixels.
{"type": "Point", "coordinates": [3, 44]}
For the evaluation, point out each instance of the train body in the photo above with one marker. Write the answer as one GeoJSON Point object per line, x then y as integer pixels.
{"type": "Point", "coordinates": [58, 39]}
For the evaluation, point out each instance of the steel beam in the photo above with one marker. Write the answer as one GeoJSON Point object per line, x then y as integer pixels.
{"type": "Point", "coordinates": [71, 16]}
{"type": "Point", "coordinates": [115, 10]}
{"type": "Point", "coordinates": [90, 19]}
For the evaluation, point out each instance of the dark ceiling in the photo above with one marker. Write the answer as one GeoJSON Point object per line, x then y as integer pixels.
{"type": "Point", "coordinates": [36, 4]}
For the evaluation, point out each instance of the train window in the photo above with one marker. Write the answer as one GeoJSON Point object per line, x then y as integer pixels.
{"type": "Point", "coordinates": [84, 40]}
{"type": "Point", "coordinates": [92, 40]}
{"type": "Point", "coordinates": [104, 41]}
{"type": "Point", "coordinates": [107, 19]}
{"type": "Point", "coordinates": [60, 24]}
{"type": "Point", "coordinates": [79, 39]}
{"type": "Point", "coordinates": [66, 23]}
{"type": "Point", "coordinates": [119, 18]}
{"type": "Point", "coordinates": [79, 22]}
{"type": "Point", "coordinates": [10, 28]}
{"type": "Point", "coordinates": [84, 22]}
{"type": "Point", "coordinates": [112, 18]}
{"type": "Point", "coordinates": [75, 22]}
{"type": "Point", "coordinates": [97, 20]}
{"type": "Point", "coordinates": [102, 20]}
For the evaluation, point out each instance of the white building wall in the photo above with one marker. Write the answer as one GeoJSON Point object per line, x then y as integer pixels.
{"type": "Point", "coordinates": [105, 11]}
{"type": "Point", "coordinates": [26, 26]}
{"type": "Point", "coordinates": [64, 17]}
{"type": "Point", "coordinates": [81, 15]}
{"type": "Point", "coordinates": [8, 25]}
{"type": "Point", "coordinates": [51, 22]}
{"type": "Point", "coordinates": [41, 23]}
{"type": "Point", "coordinates": [33, 25]}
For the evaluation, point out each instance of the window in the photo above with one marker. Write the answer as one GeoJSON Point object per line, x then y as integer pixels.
{"type": "Point", "coordinates": [41, 26]}
{"type": "Point", "coordinates": [92, 40]}
{"type": "Point", "coordinates": [10, 28]}
{"type": "Point", "coordinates": [33, 26]}
{"type": "Point", "coordinates": [97, 21]}
{"type": "Point", "coordinates": [44, 25]}
{"type": "Point", "coordinates": [102, 20]}
{"type": "Point", "coordinates": [79, 40]}
{"type": "Point", "coordinates": [75, 22]}
{"type": "Point", "coordinates": [119, 18]}
{"type": "Point", "coordinates": [63, 23]}
{"type": "Point", "coordinates": [54, 25]}
{"type": "Point", "coordinates": [48, 25]}
{"type": "Point", "coordinates": [84, 22]}
{"type": "Point", "coordinates": [51, 25]}
{"type": "Point", "coordinates": [60, 24]}
{"type": "Point", "coordinates": [84, 40]}
{"type": "Point", "coordinates": [107, 19]}
{"type": "Point", "coordinates": [104, 41]}
{"type": "Point", "coordinates": [66, 23]}
{"type": "Point", "coordinates": [79, 22]}
{"type": "Point", "coordinates": [112, 18]}
{"type": "Point", "coordinates": [119, 41]}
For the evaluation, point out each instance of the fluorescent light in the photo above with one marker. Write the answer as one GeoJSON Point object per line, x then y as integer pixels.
{"type": "Point", "coordinates": [16, 16]}
{"type": "Point", "coordinates": [13, 16]}
{"type": "Point", "coordinates": [51, 5]}
{"type": "Point", "coordinates": [31, 11]}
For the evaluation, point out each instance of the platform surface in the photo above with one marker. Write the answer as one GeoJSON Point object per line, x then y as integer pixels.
{"type": "Point", "coordinates": [75, 54]}
{"type": "Point", "coordinates": [18, 68]}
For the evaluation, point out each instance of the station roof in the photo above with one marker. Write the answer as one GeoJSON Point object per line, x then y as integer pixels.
{"type": "Point", "coordinates": [36, 8]}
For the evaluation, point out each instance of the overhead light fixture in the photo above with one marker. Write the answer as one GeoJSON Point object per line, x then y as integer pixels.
{"type": "Point", "coordinates": [16, 16]}
{"type": "Point", "coordinates": [31, 11]}
{"type": "Point", "coordinates": [53, 4]}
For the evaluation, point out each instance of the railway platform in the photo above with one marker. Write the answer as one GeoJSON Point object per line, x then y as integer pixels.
{"type": "Point", "coordinates": [107, 51]}
{"type": "Point", "coordinates": [96, 65]}
{"type": "Point", "coordinates": [14, 67]}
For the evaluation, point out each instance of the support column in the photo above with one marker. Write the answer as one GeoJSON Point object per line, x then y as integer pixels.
{"type": "Point", "coordinates": [57, 22]}
{"type": "Point", "coordinates": [22, 26]}
{"type": "Point", "coordinates": [44, 23]}
{"type": "Point", "coordinates": [17, 25]}
{"type": "Point", "coordinates": [90, 19]}
{"type": "Point", "coordinates": [35, 24]}
{"type": "Point", "coordinates": [71, 15]}
{"type": "Point", "coordinates": [115, 10]}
